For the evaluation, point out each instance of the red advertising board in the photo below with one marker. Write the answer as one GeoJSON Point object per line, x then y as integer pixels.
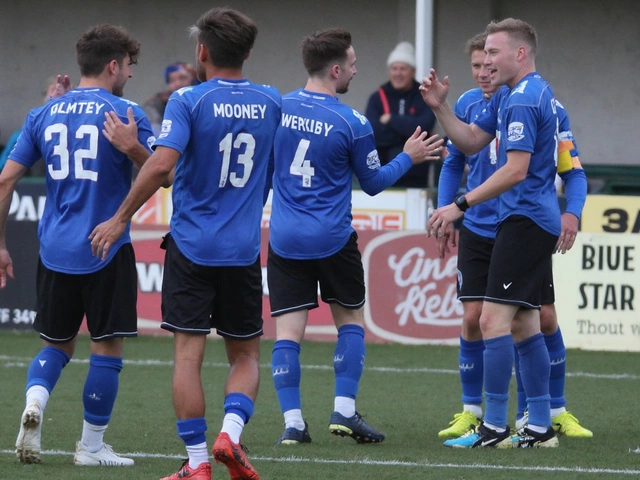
{"type": "Point", "coordinates": [411, 295]}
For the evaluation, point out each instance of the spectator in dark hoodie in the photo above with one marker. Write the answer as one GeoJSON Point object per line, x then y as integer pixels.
{"type": "Point", "coordinates": [396, 109]}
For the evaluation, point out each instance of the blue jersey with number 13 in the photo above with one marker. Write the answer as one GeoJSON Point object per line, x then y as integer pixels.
{"type": "Point", "coordinates": [223, 130]}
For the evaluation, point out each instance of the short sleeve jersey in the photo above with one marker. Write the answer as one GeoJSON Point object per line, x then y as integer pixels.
{"type": "Point", "coordinates": [87, 178]}
{"type": "Point", "coordinates": [223, 130]}
{"type": "Point", "coordinates": [525, 118]}
{"type": "Point", "coordinates": [481, 219]}
{"type": "Point", "coordinates": [319, 145]}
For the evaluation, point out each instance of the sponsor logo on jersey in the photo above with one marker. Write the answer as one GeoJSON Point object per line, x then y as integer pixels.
{"type": "Point", "coordinates": [520, 88]}
{"type": "Point", "coordinates": [359, 116]}
{"type": "Point", "coordinates": [150, 141]}
{"type": "Point", "coordinates": [515, 131]}
{"type": "Point", "coordinates": [165, 128]}
{"type": "Point", "coordinates": [184, 90]}
{"type": "Point", "coordinates": [373, 160]}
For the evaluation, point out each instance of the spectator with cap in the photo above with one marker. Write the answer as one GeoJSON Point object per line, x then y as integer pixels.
{"type": "Point", "coordinates": [396, 109]}
{"type": "Point", "coordinates": [176, 76]}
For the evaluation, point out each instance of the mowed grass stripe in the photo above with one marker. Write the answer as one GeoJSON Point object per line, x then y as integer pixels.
{"type": "Point", "coordinates": [381, 463]}
{"type": "Point", "coordinates": [24, 361]}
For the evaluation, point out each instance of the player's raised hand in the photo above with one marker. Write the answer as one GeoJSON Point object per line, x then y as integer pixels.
{"type": "Point", "coordinates": [123, 136]}
{"type": "Point", "coordinates": [6, 267]}
{"type": "Point", "coordinates": [63, 85]}
{"type": "Point", "coordinates": [422, 148]}
{"type": "Point", "coordinates": [434, 93]}
{"type": "Point", "coordinates": [105, 235]}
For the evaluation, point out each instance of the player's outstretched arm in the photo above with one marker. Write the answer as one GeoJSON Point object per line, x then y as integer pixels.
{"type": "Point", "coordinates": [152, 175]}
{"type": "Point", "coordinates": [468, 139]}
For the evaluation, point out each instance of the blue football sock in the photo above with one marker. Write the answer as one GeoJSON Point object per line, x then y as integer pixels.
{"type": "Point", "coordinates": [498, 362]}
{"type": "Point", "coordinates": [285, 369]}
{"type": "Point", "coordinates": [240, 404]}
{"type": "Point", "coordinates": [557, 357]}
{"type": "Point", "coordinates": [348, 360]}
{"type": "Point", "coordinates": [101, 388]}
{"type": "Point", "coordinates": [471, 364]}
{"type": "Point", "coordinates": [534, 368]}
{"type": "Point", "coordinates": [46, 367]}
{"type": "Point", "coordinates": [191, 431]}
{"type": "Point", "coordinates": [522, 396]}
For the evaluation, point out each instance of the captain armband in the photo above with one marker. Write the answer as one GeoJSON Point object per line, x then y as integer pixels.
{"type": "Point", "coordinates": [567, 156]}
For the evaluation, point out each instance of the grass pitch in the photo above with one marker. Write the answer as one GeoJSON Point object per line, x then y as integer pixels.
{"type": "Point", "coordinates": [408, 392]}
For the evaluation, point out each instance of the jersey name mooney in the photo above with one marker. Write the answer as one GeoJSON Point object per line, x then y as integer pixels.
{"type": "Point", "coordinates": [77, 107]}
{"type": "Point", "coordinates": [306, 124]}
{"type": "Point", "coordinates": [227, 110]}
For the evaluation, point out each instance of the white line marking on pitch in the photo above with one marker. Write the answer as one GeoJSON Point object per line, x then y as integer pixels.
{"type": "Point", "coordinates": [380, 463]}
{"type": "Point", "coordinates": [24, 361]}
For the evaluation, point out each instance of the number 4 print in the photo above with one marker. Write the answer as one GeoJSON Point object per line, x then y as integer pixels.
{"type": "Point", "coordinates": [300, 166]}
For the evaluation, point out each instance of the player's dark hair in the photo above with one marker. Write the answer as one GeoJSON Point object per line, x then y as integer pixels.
{"type": "Point", "coordinates": [325, 48]}
{"type": "Point", "coordinates": [228, 36]}
{"type": "Point", "coordinates": [103, 43]}
{"type": "Point", "coordinates": [518, 30]}
{"type": "Point", "coordinates": [475, 43]}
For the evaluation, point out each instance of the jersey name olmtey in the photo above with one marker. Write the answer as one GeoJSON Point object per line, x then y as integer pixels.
{"type": "Point", "coordinates": [80, 108]}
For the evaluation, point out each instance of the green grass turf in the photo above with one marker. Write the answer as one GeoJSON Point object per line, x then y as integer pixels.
{"type": "Point", "coordinates": [409, 406]}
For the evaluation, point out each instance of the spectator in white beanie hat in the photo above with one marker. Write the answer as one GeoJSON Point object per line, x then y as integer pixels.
{"type": "Point", "coordinates": [403, 53]}
{"type": "Point", "coordinates": [396, 109]}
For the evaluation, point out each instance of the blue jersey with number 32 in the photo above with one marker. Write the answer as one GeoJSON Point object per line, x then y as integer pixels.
{"type": "Point", "coordinates": [87, 178]}
{"type": "Point", "coordinates": [223, 130]}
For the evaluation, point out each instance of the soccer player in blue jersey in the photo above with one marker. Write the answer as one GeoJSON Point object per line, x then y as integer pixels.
{"type": "Point", "coordinates": [219, 136]}
{"type": "Point", "coordinates": [86, 180]}
{"type": "Point", "coordinates": [523, 117]}
{"type": "Point", "coordinates": [475, 245]}
{"type": "Point", "coordinates": [320, 144]}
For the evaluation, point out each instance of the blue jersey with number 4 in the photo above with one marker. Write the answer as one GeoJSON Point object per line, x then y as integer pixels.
{"type": "Point", "coordinates": [87, 178]}
{"type": "Point", "coordinates": [320, 144]}
{"type": "Point", "coordinates": [223, 130]}
{"type": "Point", "coordinates": [525, 118]}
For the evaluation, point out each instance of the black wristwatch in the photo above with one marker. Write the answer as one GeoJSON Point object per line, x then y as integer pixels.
{"type": "Point", "coordinates": [461, 203]}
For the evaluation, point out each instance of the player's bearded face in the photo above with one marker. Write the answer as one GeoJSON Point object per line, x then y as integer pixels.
{"type": "Point", "coordinates": [119, 83]}
{"type": "Point", "coordinates": [201, 73]}
{"type": "Point", "coordinates": [347, 72]}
